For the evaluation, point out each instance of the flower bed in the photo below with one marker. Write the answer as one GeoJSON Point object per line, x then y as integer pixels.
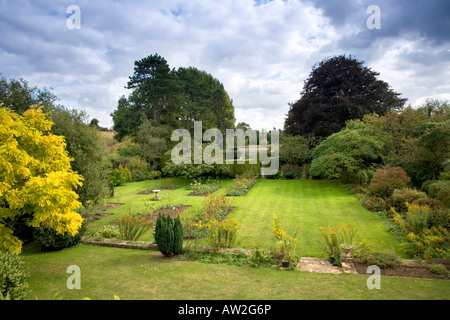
{"type": "Point", "coordinates": [241, 185]}
{"type": "Point", "coordinates": [215, 207]}
{"type": "Point", "coordinates": [203, 188]}
{"type": "Point", "coordinates": [169, 209]}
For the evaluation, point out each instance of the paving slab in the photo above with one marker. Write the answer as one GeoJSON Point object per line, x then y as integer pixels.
{"type": "Point", "coordinates": [317, 265]}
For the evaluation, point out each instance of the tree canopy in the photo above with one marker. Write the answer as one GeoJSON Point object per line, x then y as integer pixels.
{"type": "Point", "coordinates": [350, 153]}
{"type": "Point", "coordinates": [18, 95]}
{"type": "Point", "coordinates": [36, 181]}
{"type": "Point", "coordinates": [174, 98]}
{"type": "Point", "coordinates": [83, 141]}
{"type": "Point", "coordinates": [338, 89]}
{"type": "Point", "coordinates": [156, 89]}
{"type": "Point", "coordinates": [206, 100]}
{"type": "Point", "coordinates": [417, 139]}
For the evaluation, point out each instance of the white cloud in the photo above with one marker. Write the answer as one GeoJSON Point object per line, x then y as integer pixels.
{"type": "Point", "coordinates": [261, 53]}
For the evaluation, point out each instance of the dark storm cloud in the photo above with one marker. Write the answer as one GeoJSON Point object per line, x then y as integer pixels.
{"type": "Point", "coordinates": [428, 19]}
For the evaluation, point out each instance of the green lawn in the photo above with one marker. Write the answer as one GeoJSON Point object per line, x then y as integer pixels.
{"type": "Point", "coordinates": [138, 274]}
{"type": "Point", "coordinates": [310, 204]}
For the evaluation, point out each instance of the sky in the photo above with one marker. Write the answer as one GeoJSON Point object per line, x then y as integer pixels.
{"type": "Point", "coordinates": [261, 50]}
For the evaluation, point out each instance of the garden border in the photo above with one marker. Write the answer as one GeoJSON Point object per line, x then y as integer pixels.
{"type": "Point", "coordinates": [312, 264]}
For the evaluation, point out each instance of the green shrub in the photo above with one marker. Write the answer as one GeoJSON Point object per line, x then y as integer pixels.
{"type": "Point", "coordinates": [164, 234]}
{"type": "Point", "coordinates": [436, 186]}
{"type": "Point", "coordinates": [138, 169]}
{"type": "Point", "coordinates": [49, 240]}
{"type": "Point", "coordinates": [154, 175]}
{"type": "Point", "coordinates": [402, 196]}
{"type": "Point", "coordinates": [290, 171]}
{"type": "Point", "coordinates": [438, 269]}
{"type": "Point", "coordinates": [246, 168]}
{"type": "Point", "coordinates": [107, 232]}
{"type": "Point", "coordinates": [384, 259]}
{"type": "Point", "coordinates": [120, 175]}
{"type": "Point", "coordinates": [415, 220]}
{"type": "Point", "coordinates": [444, 195]}
{"type": "Point", "coordinates": [430, 202]}
{"type": "Point", "coordinates": [177, 236]}
{"type": "Point", "coordinates": [374, 204]}
{"type": "Point", "coordinates": [192, 171]}
{"type": "Point", "coordinates": [385, 181]}
{"type": "Point", "coordinates": [259, 258]}
{"type": "Point", "coordinates": [292, 174]}
{"type": "Point", "coordinates": [169, 235]}
{"type": "Point", "coordinates": [13, 276]}
{"type": "Point", "coordinates": [439, 217]}
{"type": "Point", "coordinates": [127, 148]}
{"type": "Point", "coordinates": [344, 154]}
{"type": "Point", "coordinates": [425, 185]}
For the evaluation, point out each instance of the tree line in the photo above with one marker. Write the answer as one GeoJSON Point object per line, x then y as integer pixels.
{"type": "Point", "coordinates": [346, 125]}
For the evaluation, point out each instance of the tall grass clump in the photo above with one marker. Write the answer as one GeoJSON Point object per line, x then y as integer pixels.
{"type": "Point", "coordinates": [132, 227]}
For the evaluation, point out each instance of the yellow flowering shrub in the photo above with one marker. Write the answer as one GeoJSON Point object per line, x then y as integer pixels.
{"type": "Point", "coordinates": [222, 234]}
{"type": "Point", "coordinates": [35, 177]}
{"type": "Point", "coordinates": [277, 229]}
{"type": "Point", "coordinates": [287, 245]}
{"type": "Point", "coordinates": [422, 241]}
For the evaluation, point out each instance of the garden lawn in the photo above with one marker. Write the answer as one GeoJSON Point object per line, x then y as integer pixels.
{"type": "Point", "coordinates": [309, 204]}
{"type": "Point", "coordinates": [145, 275]}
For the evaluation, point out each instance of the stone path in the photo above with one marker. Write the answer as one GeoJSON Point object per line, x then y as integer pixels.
{"type": "Point", "coordinates": [324, 266]}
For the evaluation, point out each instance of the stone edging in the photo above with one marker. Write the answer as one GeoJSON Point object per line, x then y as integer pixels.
{"type": "Point", "coordinates": [412, 263]}
{"type": "Point", "coordinates": [143, 245]}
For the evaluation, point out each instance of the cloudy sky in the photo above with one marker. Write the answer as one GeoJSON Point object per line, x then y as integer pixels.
{"type": "Point", "coordinates": [261, 50]}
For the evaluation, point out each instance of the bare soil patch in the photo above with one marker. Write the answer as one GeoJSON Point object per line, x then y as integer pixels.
{"type": "Point", "coordinates": [109, 206]}
{"type": "Point", "coordinates": [98, 212]}
{"type": "Point", "coordinates": [202, 194]}
{"type": "Point", "coordinates": [167, 211]}
{"type": "Point", "coordinates": [153, 216]}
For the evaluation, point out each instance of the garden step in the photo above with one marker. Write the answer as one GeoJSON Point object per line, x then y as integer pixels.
{"type": "Point", "coordinates": [144, 245]}
{"type": "Point", "coordinates": [324, 266]}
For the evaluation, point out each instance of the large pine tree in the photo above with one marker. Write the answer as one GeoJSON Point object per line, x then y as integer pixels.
{"type": "Point", "coordinates": [172, 98]}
